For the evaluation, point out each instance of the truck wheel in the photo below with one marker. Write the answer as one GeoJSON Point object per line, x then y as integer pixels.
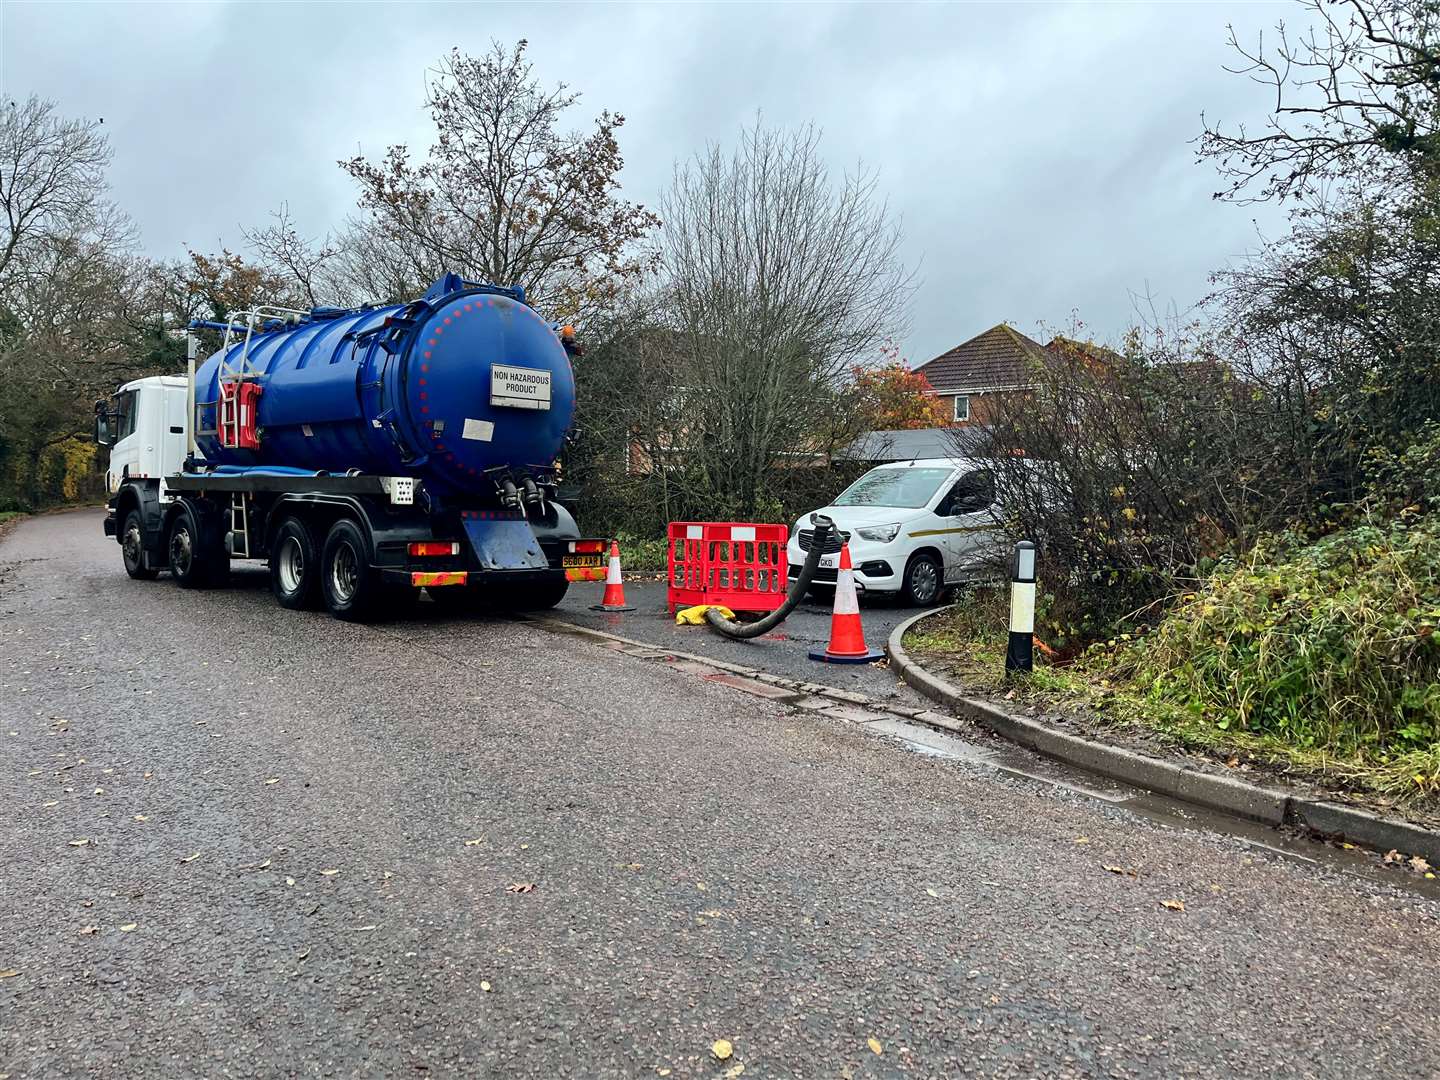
{"type": "Point", "coordinates": [294, 566]}
{"type": "Point", "coordinates": [132, 547]}
{"type": "Point", "coordinates": [923, 581]}
{"type": "Point", "coordinates": [350, 585]}
{"type": "Point", "coordinates": [197, 553]}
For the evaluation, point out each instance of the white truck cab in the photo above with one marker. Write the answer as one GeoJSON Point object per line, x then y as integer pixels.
{"type": "Point", "coordinates": [147, 423]}
{"type": "Point", "coordinates": [913, 527]}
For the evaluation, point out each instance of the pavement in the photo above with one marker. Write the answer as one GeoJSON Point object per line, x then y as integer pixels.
{"type": "Point", "coordinates": [242, 841]}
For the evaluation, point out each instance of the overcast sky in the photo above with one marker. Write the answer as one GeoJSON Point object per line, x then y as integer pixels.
{"type": "Point", "coordinates": [1040, 154]}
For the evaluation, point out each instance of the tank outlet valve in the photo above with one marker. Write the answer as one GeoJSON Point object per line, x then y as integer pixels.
{"type": "Point", "coordinates": [509, 494]}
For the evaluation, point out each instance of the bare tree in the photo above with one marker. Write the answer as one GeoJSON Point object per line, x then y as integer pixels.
{"type": "Point", "coordinates": [777, 281]}
{"type": "Point", "coordinates": [1355, 95]}
{"type": "Point", "coordinates": [52, 178]}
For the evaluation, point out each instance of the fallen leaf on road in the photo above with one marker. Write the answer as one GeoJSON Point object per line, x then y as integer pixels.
{"type": "Point", "coordinates": [263, 865]}
{"type": "Point", "coordinates": [1082, 839]}
{"type": "Point", "coordinates": [1121, 870]}
{"type": "Point", "coordinates": [485, 986]}
{"type": "Point", "coordinates": [289, 881]}
{"type": "Point", "coordinates": [52, 802]}
{"type": "Point", "coordinates": [388, 875]}
{"type": "Point", "coordinates": [303, 955]}
{"type": "Point", "coordinates": [735, 1071]}
{"type": "Point", "coordinates": [8, 973]}
{"type": "Point", "coordinates": [521, 887]}
{"type": "Point", "coordinates": [78, 843]}
{"type": "Point", "coordinates": [1393, 856]}
{"type": "Point", "coordinates": [932, 892]}
{"type": "Point", "coordinates": [1008, 697]}
{"type": "Point", "coordinates": [89, 929]}
{"type": "Point", "coordinates": [191, 858]}
{"type": "Point", "coordinates": [722, 1049]}
{"type": "Point", "coordinates": [141, 817]}
{"type": "Point", "coordinates": [362, 929]}
{"type": "Point", "coordinates": [1419, 865]}
{"type": "Point", "coordinates": [129, 926]}
{"type": "Point", "coordinates": [873, 1042]}
{"type": "Point", "coordinates": [329, 873]}
{"type": "Point", "coordinates": [1173, 905]}
{"type": "Point", "coordinates": [273, 780]}
{"type": "Point", "coordinates": [477, 840]}
{"type": "Point", "coordinates": [662, 1072]}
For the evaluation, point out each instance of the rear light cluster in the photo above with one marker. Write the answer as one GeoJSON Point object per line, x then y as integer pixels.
{"type": "Point", "coordinates": [435, 547]}
{"type": "Point", "coordinates": [587, 547]}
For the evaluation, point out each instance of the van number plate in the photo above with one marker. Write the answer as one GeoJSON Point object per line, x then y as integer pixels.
{"type": "Point", "coordinates": [519, 387]}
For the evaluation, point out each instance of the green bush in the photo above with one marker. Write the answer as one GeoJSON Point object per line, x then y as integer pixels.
{"type": "Point", "coordinates": [1328, 646]}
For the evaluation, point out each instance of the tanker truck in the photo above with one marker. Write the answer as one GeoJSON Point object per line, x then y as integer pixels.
{"type": "Point", "coordinates": [364, 454]}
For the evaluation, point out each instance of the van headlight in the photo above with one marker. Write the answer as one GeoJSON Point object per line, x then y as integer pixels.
{"type": "Point", "coordinates": [880, 533]}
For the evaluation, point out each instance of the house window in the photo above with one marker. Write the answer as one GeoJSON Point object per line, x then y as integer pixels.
{"type": "Point", "coordinates": [962, 408]}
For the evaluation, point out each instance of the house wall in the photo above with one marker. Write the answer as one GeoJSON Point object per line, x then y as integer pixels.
{"type": "Point", "coordinates": [983, 405]}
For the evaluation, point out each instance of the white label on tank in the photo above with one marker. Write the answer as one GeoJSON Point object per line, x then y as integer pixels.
{"type": "Point", "coordinates": [519, 387]}
{"type": "Point", "coordinates": [481, 430]}
{"type": "Point", "coordinates": [306, 429]}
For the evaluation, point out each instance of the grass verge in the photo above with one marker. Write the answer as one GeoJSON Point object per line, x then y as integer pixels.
{"type": "Point", "coordinates": [1339, 697]}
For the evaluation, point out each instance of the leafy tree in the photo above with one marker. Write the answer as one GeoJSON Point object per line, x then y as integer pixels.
{"type": "Point", "coordinates": [892, 397]}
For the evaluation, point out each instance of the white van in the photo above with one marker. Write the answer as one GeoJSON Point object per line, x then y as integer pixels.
{"type": "Point", "coordinates": [914, 527]}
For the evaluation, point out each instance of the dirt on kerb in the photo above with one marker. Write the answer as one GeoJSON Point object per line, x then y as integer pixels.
{"type": "Point", "coordinates": [973, 676]}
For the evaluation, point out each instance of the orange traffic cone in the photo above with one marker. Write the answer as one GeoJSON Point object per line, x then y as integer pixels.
{"type": "Point", "coordinates": [614, 599]}
{"type": "Point", "coordinates": [847, 635]}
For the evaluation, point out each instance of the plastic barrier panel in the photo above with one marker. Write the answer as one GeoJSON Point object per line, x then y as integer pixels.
{"type": "Point", "coordinates": [742, 567]}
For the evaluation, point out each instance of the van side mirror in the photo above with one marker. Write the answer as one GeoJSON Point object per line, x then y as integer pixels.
{"type": "Point", "coordinates": [104, 434]}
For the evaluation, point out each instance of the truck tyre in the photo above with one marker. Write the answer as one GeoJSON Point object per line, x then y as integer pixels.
{"type": "Point", "coordinates": [350, 584]}
{"type": "Point", "coordinates": [132, 547]}
{"type": "Point", "coordinates": [294, 566]}
{"type": "Point", "coordinates": [923, 580]}
{"type": "Point", "coordinates": [196, 548]}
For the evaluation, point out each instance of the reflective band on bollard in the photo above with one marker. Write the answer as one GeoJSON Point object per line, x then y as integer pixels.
{"type": "Point", "coordinates": [1020, 651]}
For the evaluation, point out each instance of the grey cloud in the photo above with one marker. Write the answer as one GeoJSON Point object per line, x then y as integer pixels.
{"type": "Point", "coordinates": [1039, 154]}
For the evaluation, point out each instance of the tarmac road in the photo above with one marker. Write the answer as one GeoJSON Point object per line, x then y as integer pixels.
{"type": "Point", "coordinates": [306, 848]}
{"type": "Point", "coordinates": [785, 651]}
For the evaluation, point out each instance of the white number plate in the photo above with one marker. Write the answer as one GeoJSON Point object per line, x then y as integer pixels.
{"type": "Point", "coordinates": [519, 387]}
{"type": "Point", "coordinates": [829, 562]}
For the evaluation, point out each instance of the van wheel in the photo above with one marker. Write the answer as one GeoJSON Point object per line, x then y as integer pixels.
{"type": "Point", "coordinates": [294, 566]}
{"type": "Point", "coordinates": [923, 581]}
{"type": "Point", "coordinates": [196, 548]}
{"type": "Point", "coordinates": [350, 585]}
{"type": "Point", "coordinates": [132, 548]}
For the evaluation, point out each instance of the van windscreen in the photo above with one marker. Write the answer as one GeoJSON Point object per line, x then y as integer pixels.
{"type": "Point", "coordinates": [908, 488]}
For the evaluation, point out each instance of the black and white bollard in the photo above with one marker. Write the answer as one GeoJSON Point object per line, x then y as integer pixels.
{"type": "Point", "coordinates": [1020, 652]}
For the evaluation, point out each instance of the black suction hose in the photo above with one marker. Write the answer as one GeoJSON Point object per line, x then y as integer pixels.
{"type": "Point", "coordinates": [740, 631]}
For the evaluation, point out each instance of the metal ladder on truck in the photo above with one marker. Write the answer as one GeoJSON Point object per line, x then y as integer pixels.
{"type": "Point", "coordinates": [230, 423]}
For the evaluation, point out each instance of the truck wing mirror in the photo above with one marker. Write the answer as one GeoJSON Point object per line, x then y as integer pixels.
{"type": "Point", "coordinates": [103, 435]}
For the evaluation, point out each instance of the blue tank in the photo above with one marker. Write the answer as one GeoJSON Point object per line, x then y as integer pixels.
{"type": "Point", "coordinates": [459, 389]}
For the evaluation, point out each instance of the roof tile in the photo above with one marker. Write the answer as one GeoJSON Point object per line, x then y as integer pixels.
{"type": "Point", "coordinates": [1000, 358]}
